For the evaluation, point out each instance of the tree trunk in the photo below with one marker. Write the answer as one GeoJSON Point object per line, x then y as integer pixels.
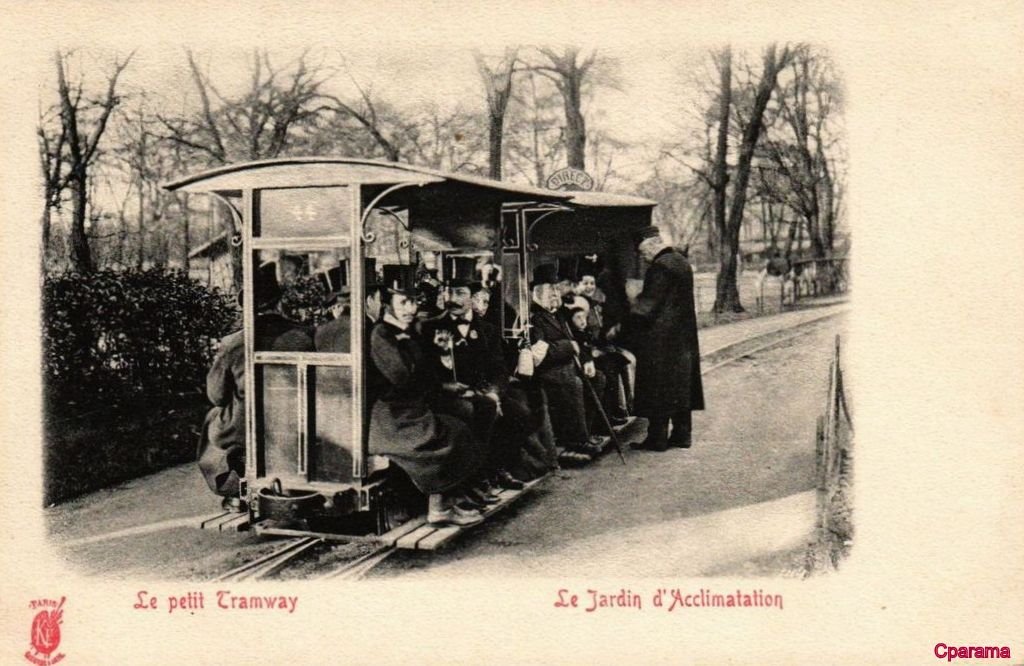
{"type": "Point", "coordinates": [140, 259]}
{"type": "Point", "coordinates": [728, 299]}
{"type": "Point", "coordinates": [794, 227]}
{"type": "Point", "coordinates": [726, 289]}
{"type": "Point", "coordinates": [81, 257]}
{"type": "Point", "coordinates": [726, 293]}
{"type": "Point", "coordinates": [46, 224]}
{"type": "Point", "coordinates": [575, 126]}
{"type": "Point", "coordinates": [495, 130]}
{"type": "Point", "coordinates": [183, 205]}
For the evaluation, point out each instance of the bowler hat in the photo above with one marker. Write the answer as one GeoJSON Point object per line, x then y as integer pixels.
{"type": "Point", "coordinates": [400, 279]}
{"type": "Point", "coordinates": [544, 274]}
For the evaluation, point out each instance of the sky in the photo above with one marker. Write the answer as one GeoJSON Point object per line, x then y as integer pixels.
{"type": "Point", "coordinates": [644, 109]}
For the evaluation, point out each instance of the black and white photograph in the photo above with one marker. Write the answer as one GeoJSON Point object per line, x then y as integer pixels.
{"type": "Point", "coordinates": [349, 328]}
{"type": "Point", "coordinates": [425, 341]}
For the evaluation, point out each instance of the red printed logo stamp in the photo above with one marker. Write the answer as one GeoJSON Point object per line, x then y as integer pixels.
{"type": "Point", "coordinates": [44, 634]}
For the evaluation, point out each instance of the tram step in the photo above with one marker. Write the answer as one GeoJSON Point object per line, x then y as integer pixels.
{"type": "Point", "coordinates": [227, 521]}
{"type": "Point", "coordinates": [424, 536]}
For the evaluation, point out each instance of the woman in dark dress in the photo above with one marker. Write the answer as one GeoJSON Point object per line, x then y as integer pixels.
{"type": "Point", "coordinates": [437, 451]}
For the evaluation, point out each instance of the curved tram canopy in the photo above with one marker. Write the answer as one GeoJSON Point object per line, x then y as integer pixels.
{"type": "Point", "coordinates": [313, 220]}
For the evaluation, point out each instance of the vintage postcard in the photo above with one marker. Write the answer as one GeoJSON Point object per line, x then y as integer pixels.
{"type": "Point", "coordinates": [566, 333]}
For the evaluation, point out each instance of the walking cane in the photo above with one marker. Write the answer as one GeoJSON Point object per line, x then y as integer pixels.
{"type": "Point", "coordinates": [597, 400]}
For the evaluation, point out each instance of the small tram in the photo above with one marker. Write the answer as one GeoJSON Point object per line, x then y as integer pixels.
{"type": "Point", "coordinates": [338, 220]}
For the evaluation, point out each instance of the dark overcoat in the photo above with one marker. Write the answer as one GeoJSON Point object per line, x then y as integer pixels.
{"type": "Point", "coordinates": [552, 329]}
{"type": "Point", "coordinates": [664, 339]}
{"type": "Point", "coordinates": [437, 451]}
{"type": "Point", "coordinates": [222, 440]}
{"type": "Point", "coordinates": [335, 335]}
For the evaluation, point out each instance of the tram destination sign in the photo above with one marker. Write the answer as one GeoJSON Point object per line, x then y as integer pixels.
{"type": "Point", "coordinates": [570, 178]}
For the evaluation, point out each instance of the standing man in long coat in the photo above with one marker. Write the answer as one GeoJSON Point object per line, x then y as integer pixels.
{"type": "Point", "coordinates": [664, 322]}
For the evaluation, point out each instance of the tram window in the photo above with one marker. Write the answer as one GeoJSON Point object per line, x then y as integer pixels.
{"type": "Point", "coordinates": [331, 456]}
{"type": "Point", "coordinates": [306, 212]}
{"type": "Point", "coordinates": [277, 417]}
{"type": "Point", "coordinates": [302, 300]}
{"type": "Point", "coordinates": [510, 292]}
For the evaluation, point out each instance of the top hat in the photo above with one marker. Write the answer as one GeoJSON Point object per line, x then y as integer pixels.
{"type": "Point", "coordinates": [400, 279]}
{"type": "Point", "coordinates": [334, 283]}
{"type": "Point", "coordinates": [463, 271]}
{"type": "Point", "coordinates": [589, 265]}
{"type": "Point", "coordinates": [645, 233]}
{"type": "Point", "coordinates": [370, 279]}
{"type": "Point", "coordinates": [567, 269]}
{"type": "Point", "coordinates": [266, 289]}
{"type": "Point", "coordinates": [544, 274]}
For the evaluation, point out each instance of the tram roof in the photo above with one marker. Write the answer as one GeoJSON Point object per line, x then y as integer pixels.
{"type": "Point", "coordinates": [608, 200]}
{"type": "Point", "coordinates": [313, 171]}
{"type": "Point", "coordinates": [323, 171]}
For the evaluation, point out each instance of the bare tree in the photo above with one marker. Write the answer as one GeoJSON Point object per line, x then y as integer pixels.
{"type": "Point", "coordinates": [446, 140]}
{"type": "Point", "coordinates": [263, 122]}
{"type": "Point", "coordinates": [51, 135]}
{"type": "Point", "coordinates": [569, 73]}
{"type": "Point", "coordinates": [68, 151]}
{"type": "Point", "coordinates": [728, 222]}
{"type": "Point", "coordinates": [804, 150]}
{"type": "Point", "coordinates": [260, 123]}
{"type": "Point", "coordinates": [498, 88]}
{"type": "Point", "coordinates": [369, 118]}
{"type": "Point", "coordinates": [533, 131]}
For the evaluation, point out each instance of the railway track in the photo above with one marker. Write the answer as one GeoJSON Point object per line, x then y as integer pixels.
{"type": "Point", "coordinates": [734, 351]}
{"type": "Point", "coordinates": [293, 551]}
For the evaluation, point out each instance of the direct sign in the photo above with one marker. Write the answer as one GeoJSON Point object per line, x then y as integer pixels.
{"type": "Point", "coordinates": [570, 178]}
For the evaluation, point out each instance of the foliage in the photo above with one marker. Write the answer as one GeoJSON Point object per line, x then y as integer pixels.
{"type": "Point", "coordinates": [303, 301]}
{"type": "Point", "coordinates": [114, 336]}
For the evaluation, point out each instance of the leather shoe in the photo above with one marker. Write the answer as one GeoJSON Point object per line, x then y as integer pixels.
{"type": "Point", "coordinates": [467, 502]}
{"type": "Point", "coordinates": [454, 516]}
{"type": "Point", "coordinates": [649, 445]}
{"type": "Point", "coordinates": [509, 482]}
{"type": "Point", "coordinates": [682, 442]}
{"type": "Point", "coordinates": [482, 496]}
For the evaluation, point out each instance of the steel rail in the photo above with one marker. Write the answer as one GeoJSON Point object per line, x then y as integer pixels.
{"type": "Point", "coordinates": [805, 322]}
{"type": "Point", "coordinates": [359, 567]}
{"type": "Point", "coordinates": [269, 563]}
{"type": "Point", "coordinates": [767, 345]}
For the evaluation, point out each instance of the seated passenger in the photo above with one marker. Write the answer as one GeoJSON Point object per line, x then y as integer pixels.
{"type": "Point", "coordinates": [524, 454]}
{"type": "Point", "coordinates": [437, 451]}
{"type": "Point", "coordinates": [221, 454]}
{"type": "Point", "coordinates": [335, 335]}
{"type": "Point", "coordinates": [273, 330]}
{"type": "Point", "coordinates": [618, 364]}
{"type": "Point", "coordinates": [578, 325]}
{"type": "Point", "coordinates": [556, 369]}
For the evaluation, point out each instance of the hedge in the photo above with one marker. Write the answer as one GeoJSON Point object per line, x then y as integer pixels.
{"type": "Point", "coordinates": [111, 337]}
